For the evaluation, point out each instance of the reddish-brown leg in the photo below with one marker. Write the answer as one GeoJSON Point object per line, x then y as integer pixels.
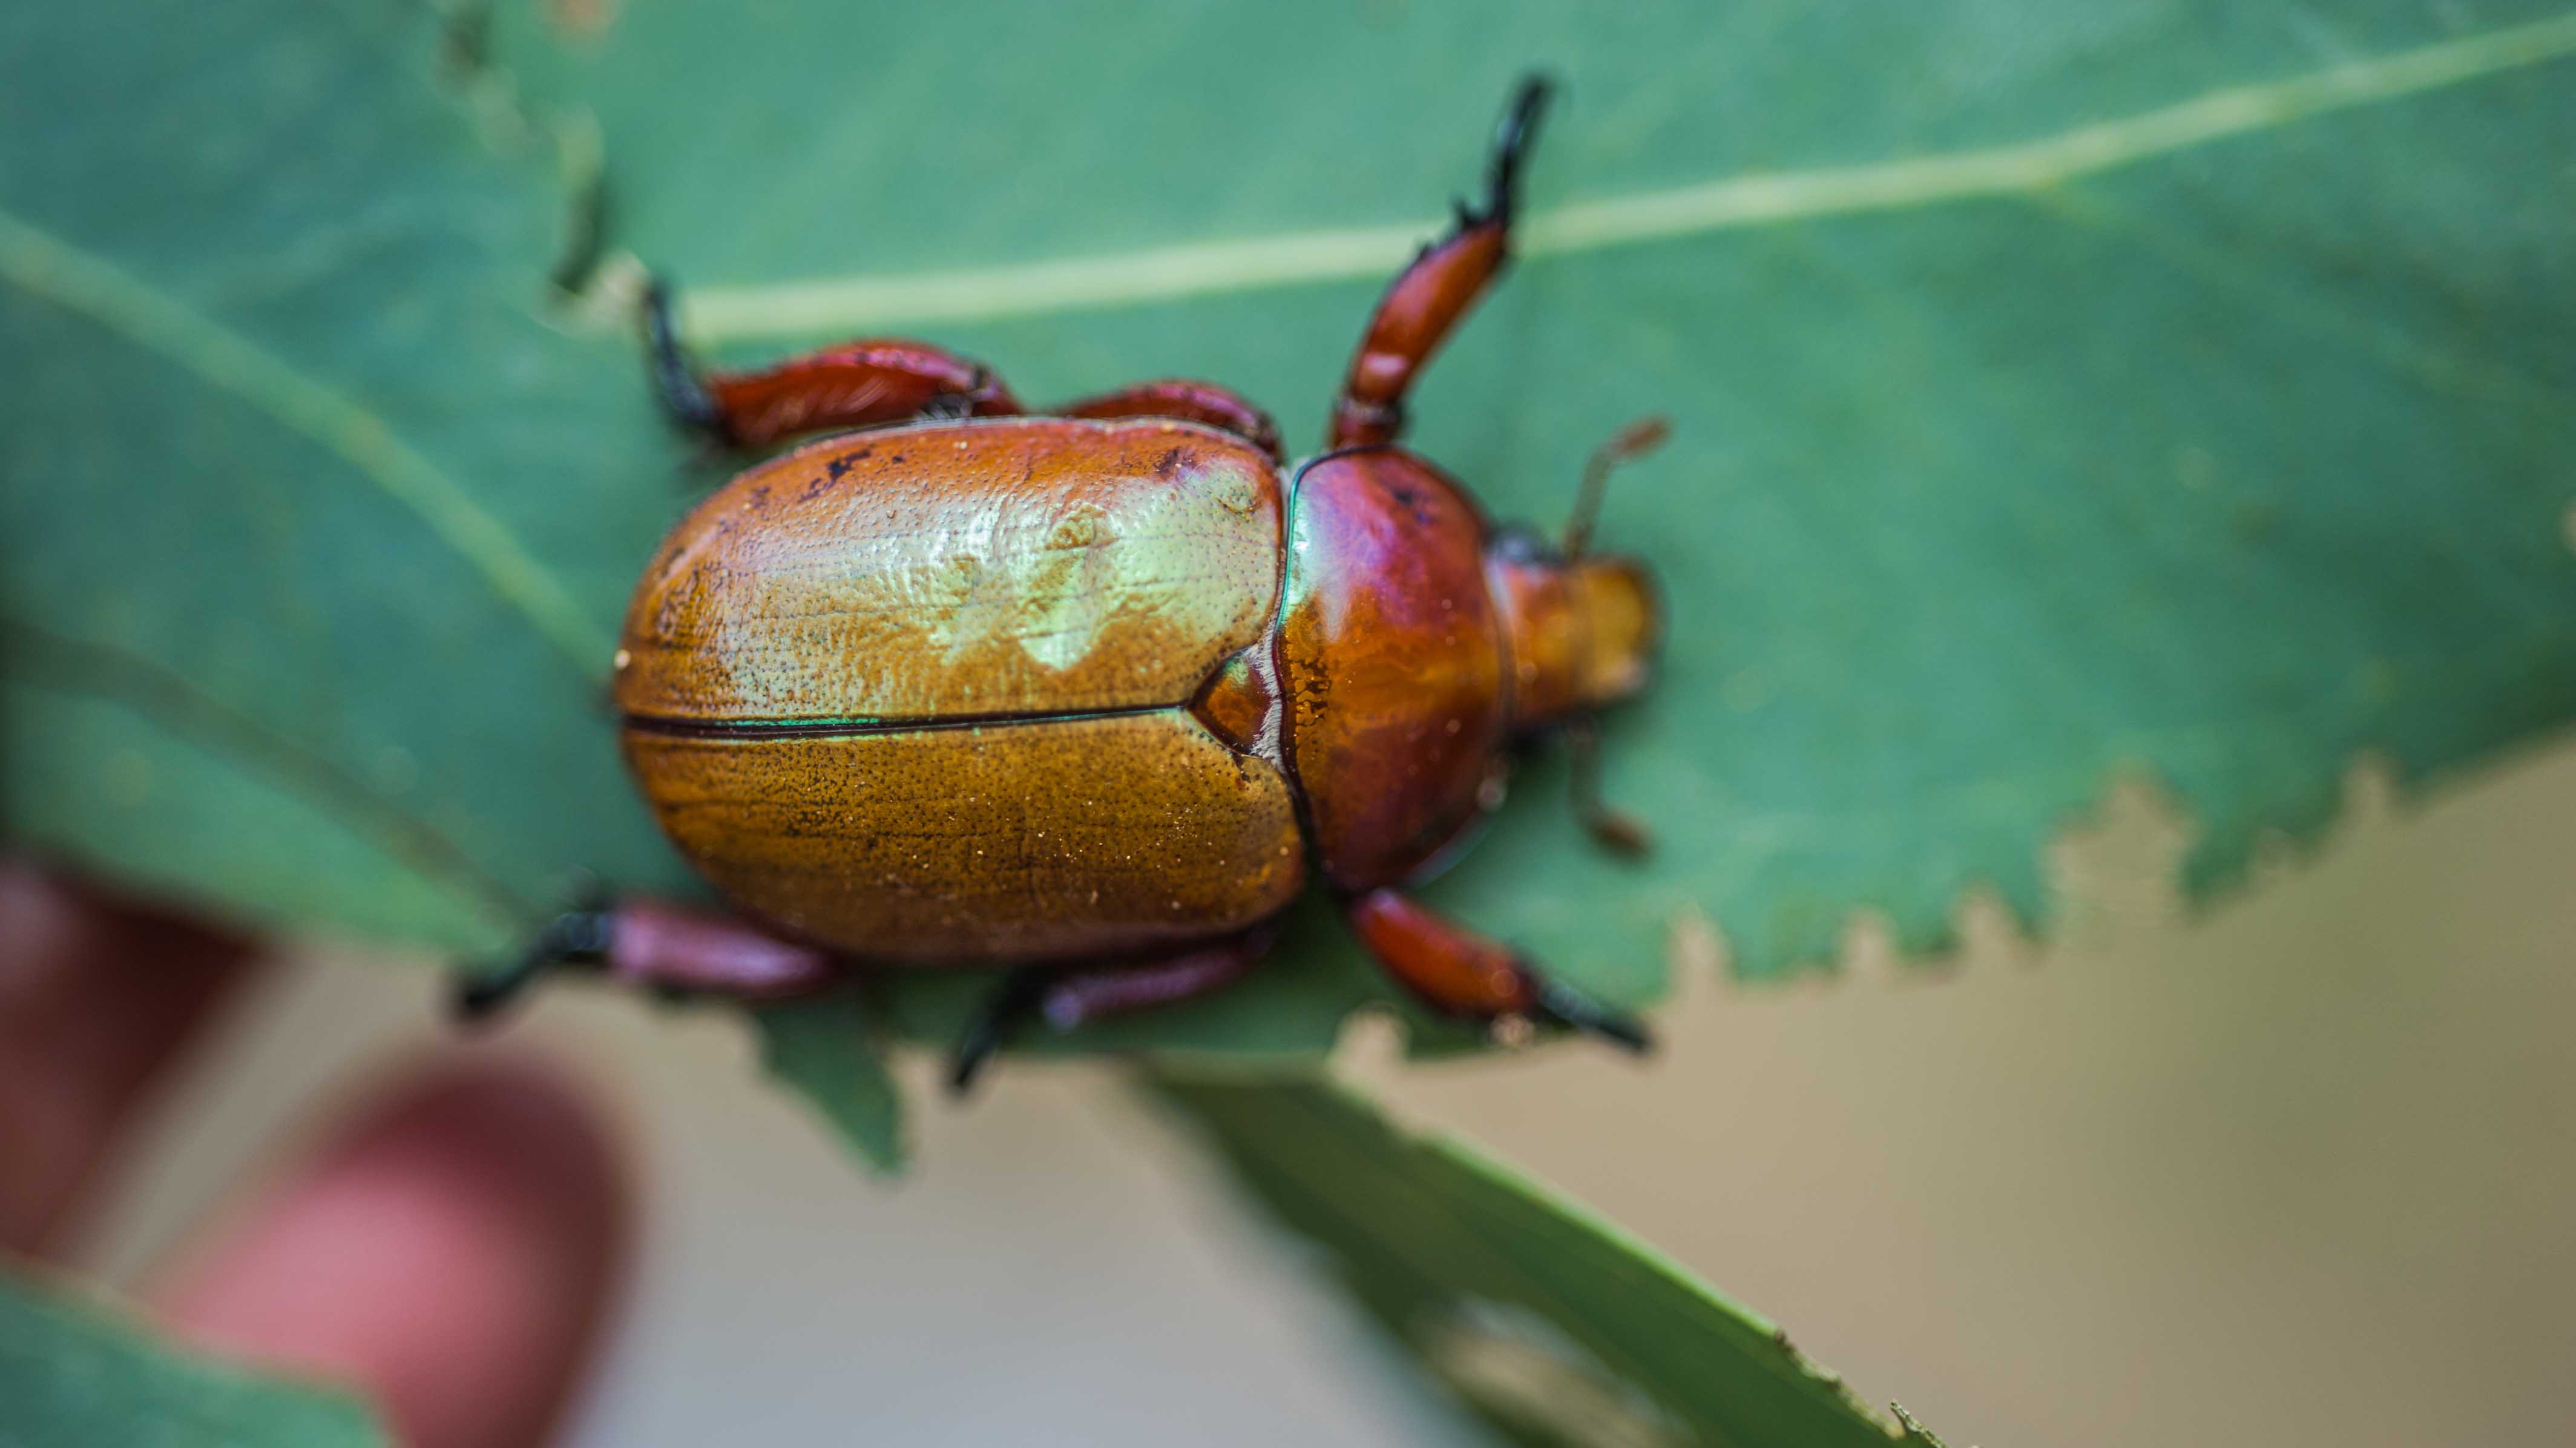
{"type": "Point", "coordinates": [1464, 974]}
{"type": "Point", "coordinates": [1219, 407]}
{"type": "Point", "coordinates": [1418, 313]}
{"type": "Point", "coordinates": [1614, 830]}
{"type": "Point", "coordinates": [1064, 997]}
{"type": "Point", "coordinates": [648, 943]}
{"type": "Point", "coordinates": [866, 383]}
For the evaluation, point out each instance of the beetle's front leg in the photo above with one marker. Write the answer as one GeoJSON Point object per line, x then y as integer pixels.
{"type": "Point", "coordinates": [1063, 997]}
{"type": "Point", "coordinates": [1464, 974]}
{"type": "Point", "coordinates": [867, 383]}
{"type": "Point", "coordinates": [1431, 296]}
{"type": "Point", "coordinates": [658, 946]}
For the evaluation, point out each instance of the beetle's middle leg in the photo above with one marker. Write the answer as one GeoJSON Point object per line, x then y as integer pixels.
{"type": "Point", "coordinates": [1222, 408]}
{"type": "Point", "coordinates": [1465, 974]}
{"type": "Point", "coordinates": [867, 383]}
{"type": "Point", "coordinates": [1429, 298]}
{"type": "Point", "coordinates": [647, 943]}
{"type": "Point", "coordinates": [1063, 997]}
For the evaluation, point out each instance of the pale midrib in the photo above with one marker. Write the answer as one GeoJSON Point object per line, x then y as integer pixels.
{"type": "Point", "coordinates": [63, 274]}
{"type": "Point", "coordinates": [836, 304]}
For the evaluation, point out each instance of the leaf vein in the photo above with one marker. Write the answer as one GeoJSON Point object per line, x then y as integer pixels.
{"type": "Point", "coordinates": [45, 266]}
{"type": "Point", "coordinates": [724, 314]}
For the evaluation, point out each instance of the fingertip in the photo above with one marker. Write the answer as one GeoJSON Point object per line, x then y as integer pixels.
{"type": "Point", "coordinates": [99, 993]}
{"type": "Point", "coordinates": [452, 1250]}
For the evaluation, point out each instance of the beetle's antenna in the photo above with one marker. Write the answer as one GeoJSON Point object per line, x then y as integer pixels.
{"type": "Point", "coordinates": [1626, 445]}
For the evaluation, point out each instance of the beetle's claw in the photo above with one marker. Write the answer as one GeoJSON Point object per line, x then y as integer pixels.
{"type": "Point", "coordinates": [1015, 1000]}
{"type": "Point", "coordinates": [977, 1048]}
{"type": "Point", "coordinates": [1512, 142]}
{"type": "Point", "coordinates": [475, 999]}
{"type": "Point", "coordinates": [675, 378]}
{"type": "Point", "coordinates": [948, 407]}
{"type": "Point", "coordinates": [576, 936]}
{"type": "Point", "coordinates": [1563, 1004]}
{"type": "Point", "coordinates": [1620, 833]}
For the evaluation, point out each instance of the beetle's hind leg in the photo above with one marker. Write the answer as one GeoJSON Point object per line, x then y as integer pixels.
{"type": "Point", "coordinates": [866, 383]}
{"type": "Point", "coordinates": [1463, 974]}
{"type": "Point", "coordinates": [1430, 297]}
{"type": "Point", "coordinates": [1063, 997]}
{"type": "Point", "coordinates": [658, 946]}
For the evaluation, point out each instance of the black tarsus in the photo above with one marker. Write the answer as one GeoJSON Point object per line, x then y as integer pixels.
{"type": "Point", "coordinates": [675, 379]}
{"type": "Point", "coordinates": [1512, 142]}
{"type": "Point", "coordinates": [1010, 1005]}
{"type": "Point", "coordinates": [1567, 1006]}
{"type": "Point", "coordinates": [576, 937]}
{"type": "Point", "coordinates": [955, 406]}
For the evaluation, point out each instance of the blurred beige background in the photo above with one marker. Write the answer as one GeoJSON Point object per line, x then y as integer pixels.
{"type": "Point", "coordinates": [2295, 1172]}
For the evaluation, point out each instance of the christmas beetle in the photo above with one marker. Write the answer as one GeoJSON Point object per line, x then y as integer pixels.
{"type": "Point", "coordinates": [1097, 691]}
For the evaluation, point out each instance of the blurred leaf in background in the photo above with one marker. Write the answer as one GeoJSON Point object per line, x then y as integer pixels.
{"type": "Point", "coordinates": [1551, 1325]}
{"type": "Point", "coordinates": [73, 1375]}
{"type": "Point", "coordinates": [2173, 386]}
{"type": "Point", "coordinates": [2177, 387]}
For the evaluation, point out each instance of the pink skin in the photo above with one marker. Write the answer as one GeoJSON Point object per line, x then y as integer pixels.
{"type": "Point", "coordinates": [450, 1248]}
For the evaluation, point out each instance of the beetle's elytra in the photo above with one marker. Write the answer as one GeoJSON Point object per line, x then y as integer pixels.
{"type": "Point", "coordinates": [937, 708]}
{"type": "Point", "coordinates": [1097, 691]}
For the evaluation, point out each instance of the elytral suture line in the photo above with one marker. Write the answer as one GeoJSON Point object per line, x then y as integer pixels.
{"type": "Point", "coordinates": [719, 314]}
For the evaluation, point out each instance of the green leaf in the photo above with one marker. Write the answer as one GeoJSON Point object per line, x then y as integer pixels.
{"type": "Point", "coordinates": [73, 1374]}
{"type": "Point", "coordinates": [2057, 390]}
{"type": "Point", "coordinates": [828, 1049]}
{"type": "Point", "coordinates": [310, 537]}
{"type": "Point", "coordinates": [1551, 1324]}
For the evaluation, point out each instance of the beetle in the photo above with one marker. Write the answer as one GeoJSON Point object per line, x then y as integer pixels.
{"type": "Point", "coordinates": [1098, 691]}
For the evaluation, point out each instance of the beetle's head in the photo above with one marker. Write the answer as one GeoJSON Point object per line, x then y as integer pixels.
{"type": "Point", "coordinates": [1582, 631]}
{"type": "Point", "coordinates": [1582, 625]}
